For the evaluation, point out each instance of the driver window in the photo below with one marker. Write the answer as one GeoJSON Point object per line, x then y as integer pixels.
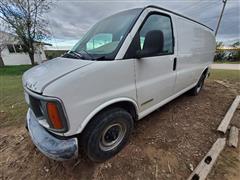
{"type": "Point", "coordinates": [162, 24]}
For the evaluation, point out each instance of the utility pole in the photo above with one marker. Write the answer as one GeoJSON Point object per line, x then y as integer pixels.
{"type": "Point", "coordinates": [220, 18]}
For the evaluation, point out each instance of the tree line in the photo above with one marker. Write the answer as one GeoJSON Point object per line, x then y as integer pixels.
{"type": "Point", "coordinates": [232, 54]}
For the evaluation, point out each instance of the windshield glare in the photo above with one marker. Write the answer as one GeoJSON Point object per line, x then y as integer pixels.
{"type": "Point", "coordinates": [105, 38]}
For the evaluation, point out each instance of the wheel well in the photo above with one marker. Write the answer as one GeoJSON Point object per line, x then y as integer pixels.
{"type": "Point", "coordinates": [126, 105]}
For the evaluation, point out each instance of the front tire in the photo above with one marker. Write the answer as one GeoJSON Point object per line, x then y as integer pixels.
{"type": "Point", "coordinates": [107, 134]}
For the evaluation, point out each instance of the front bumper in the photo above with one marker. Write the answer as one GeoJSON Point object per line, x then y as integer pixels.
{"type": "Point", "coordinates": [48, 144]}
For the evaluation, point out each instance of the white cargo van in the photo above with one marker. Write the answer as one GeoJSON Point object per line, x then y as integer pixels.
{"type": "Point", "coordinates": [125, 67]}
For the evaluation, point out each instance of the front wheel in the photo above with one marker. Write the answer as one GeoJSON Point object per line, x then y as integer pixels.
{"type": "Point", "coordinates": [107, 134]}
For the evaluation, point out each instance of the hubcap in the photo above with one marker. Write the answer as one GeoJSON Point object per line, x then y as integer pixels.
{"type": "Point", "coordinates": [112, 136]}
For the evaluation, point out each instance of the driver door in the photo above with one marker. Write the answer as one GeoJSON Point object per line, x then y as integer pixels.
{"type": "Point", "coordinates": [155, 72]}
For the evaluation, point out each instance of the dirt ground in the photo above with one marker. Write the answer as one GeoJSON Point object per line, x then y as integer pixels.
{"type": "Point", "coordinates": [163, 146]}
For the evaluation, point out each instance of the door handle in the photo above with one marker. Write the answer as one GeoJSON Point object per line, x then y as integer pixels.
{"type": "Point", "coordinates": [174, 64]}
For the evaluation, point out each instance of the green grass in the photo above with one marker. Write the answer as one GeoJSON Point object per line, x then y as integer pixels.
{"type": "Point", "coordinates": [14, 70]}
{"type": "Point", "coordinates": [12, 104]}
{"type": "Point", "coordinates": [233, 75]}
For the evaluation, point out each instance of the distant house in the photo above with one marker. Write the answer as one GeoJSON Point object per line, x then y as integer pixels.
{"type": "Point", "coordinates": [14, 52]}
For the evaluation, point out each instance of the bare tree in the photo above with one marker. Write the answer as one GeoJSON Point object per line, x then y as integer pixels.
{"type": "Point", "coordinates": [219, 44]}
{"type": "Point", "coordinates": [26, 19]}
{"type": "Point", "coordinates": [236, 44]}
{"type": "Point", "coordinates": [3, 44]}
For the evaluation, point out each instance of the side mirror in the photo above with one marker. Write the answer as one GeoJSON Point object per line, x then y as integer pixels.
{"type": "Point", "coordinates": [153, 44]}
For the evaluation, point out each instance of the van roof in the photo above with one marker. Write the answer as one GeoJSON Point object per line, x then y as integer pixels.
{"type": "Point", "coordinates": [152, 6]}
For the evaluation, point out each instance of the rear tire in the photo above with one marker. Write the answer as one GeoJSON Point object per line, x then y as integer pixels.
{"type": "Point", "coordinates": [196, 90]}
{"type": "Point", "coordinates": [106, 134]}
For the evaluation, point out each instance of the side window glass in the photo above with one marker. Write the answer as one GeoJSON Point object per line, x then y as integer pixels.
{"type": "Point", "coordinates": [159, 24]}
{"type": "Point", "coordinates": [142, 38]}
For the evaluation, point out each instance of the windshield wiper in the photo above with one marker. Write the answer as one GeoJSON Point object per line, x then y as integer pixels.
{"type": "Point", "coordinates": [77, 54]}
{"type": "Point", "coordinates": [73, 54]}
{"type": "Point", "coordinates": [91, 56]}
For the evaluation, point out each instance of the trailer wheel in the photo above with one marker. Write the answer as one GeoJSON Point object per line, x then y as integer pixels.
{"type": "Point", "coordinates": [107, 134]}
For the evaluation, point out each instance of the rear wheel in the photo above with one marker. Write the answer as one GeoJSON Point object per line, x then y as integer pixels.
{"type": "Point", "coordinates": [107, 134]}
{"type": "Point", "coordinates": [196, 90]}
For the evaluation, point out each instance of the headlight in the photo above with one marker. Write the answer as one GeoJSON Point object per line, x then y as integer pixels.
{"type": "Point", "coordinates": [49, 112]}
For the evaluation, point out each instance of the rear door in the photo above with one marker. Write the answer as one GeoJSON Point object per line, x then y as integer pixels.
{"type": "Point", "coordinates": [155, 74]}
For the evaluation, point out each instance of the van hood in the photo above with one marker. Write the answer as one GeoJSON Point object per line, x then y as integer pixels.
{"type": "Point", "coordinates": [39, 77]}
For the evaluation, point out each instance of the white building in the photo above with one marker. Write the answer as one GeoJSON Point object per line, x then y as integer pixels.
{"type": "Point", "coordinates": [13, 52]}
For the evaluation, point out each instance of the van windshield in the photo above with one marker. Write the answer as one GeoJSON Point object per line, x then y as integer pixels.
{"type": "Point", "coordinates": [104, 39]}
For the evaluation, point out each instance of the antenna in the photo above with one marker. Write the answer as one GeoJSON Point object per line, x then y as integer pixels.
{"type": "Point", "coordinates": [220, 18]}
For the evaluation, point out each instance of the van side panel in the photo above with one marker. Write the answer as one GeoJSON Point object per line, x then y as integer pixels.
{"type": "Point", "coordinates": [196, 48]}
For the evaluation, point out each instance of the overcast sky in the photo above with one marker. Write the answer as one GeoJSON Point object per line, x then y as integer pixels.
{"type": "Point", "coordinates": [70, 19]}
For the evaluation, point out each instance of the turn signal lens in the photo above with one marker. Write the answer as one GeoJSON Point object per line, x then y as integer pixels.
{"type": "Point", "coordinates": [54, 116]}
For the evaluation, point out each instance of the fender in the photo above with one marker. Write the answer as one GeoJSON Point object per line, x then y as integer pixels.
{"type": "Point", "coordinates": [104, 105]}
